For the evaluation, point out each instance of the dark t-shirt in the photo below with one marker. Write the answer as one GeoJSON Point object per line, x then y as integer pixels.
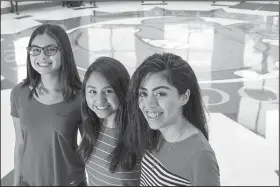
{"type": "Point", "coordinates": [190, 162]}
{"type": "Point", "coordinates": [50, 139]}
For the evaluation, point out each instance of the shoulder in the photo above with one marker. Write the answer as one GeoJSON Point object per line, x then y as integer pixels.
{"type": "Point", "coordinates": [195, 144]}
{"type": "Point", "coordinates": [194, 148]}
{"type": "Point", "coordinates": [203, 168]}
{"type": "Point", "coordinates": [203, 158]}
{"type": "Point", "coordinates": [19, 86]}
{"type": "Point", "coordinates": [19, 89]}
{"type": "Point", "coordinates": [199, 150]}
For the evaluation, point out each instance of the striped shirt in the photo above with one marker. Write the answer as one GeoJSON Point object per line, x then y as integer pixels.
{"type": "Point", "coordinates": [98, 165]}
{"type": "Point", "coordinates": [190, 162]}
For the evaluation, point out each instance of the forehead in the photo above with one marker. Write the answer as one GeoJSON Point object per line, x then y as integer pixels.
{"type": "Point", "coordinates": [43, 40]}
{"type": "Point", "coordinates": [97, 80]}
{"type": "Point", "coordinates": [155, 79]}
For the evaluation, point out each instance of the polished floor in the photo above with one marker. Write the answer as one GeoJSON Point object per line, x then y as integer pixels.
{"type": "Point", "coordinates": [232, 47]}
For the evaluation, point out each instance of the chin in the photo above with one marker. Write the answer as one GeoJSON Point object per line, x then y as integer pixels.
{"type": "Point", "coordinates": [46, 72]}
{"type": "Point", "coordinates": [154, 125]}
{"type": "Point", "coordinates": [105, 114]}
{"type": "Point", "coordinates": [102, 116]}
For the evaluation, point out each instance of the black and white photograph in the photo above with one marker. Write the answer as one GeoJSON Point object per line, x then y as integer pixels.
{"type": "Point", "coordinates": [139, 93]}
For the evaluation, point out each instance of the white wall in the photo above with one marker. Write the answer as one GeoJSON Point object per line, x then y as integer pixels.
{"type": "Point", "coordinates": [5, 4]}
{"type": "Point", "coordinates": [265, 2]}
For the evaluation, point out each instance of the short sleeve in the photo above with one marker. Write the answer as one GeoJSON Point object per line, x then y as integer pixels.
{"type": "Point", "coordinates": [14, 103]}
{"type": "Point", "coordinates": [204, 170]}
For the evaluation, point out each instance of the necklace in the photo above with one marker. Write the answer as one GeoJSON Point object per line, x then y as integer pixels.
{"type": "Point", "coordinates": [176, 140]}
{"type": "Point", "coordinates": [172, 145]}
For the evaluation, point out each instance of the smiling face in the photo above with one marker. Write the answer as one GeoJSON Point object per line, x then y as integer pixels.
{"type": "Point", "coordinates": [159, 101]}
{"type": "Point", "coordinates": [42, 63]}
{"type": "Point", "coordinates": [100, 96]}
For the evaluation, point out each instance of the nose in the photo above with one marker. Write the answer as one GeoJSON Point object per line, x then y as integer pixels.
{"type": "Point", "coordinates": [42, 55]}
{"type": "Point", "coordinates": [100, 98]}
{"type": "Point", "coordinates": [151, 101]}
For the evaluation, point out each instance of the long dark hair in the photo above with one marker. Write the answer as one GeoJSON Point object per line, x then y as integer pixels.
{"type": "Point", "coordinates": [139, 137]}
{"type": "Point", "coordinates": [118, 77]}
{"type": "Point", "coordinates": [68, 73]}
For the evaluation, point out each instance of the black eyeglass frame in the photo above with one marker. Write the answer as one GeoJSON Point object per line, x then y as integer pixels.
{"type": "Point", "coordinates": [42, 48]}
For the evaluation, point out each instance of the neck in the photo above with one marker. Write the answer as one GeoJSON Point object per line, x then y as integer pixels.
{"type": "Point", "coordinates": [51, 82]}
{"type": "Point", "coordinates": [174, 132]}
{"type": "Point", "coordinates": [109, 121]}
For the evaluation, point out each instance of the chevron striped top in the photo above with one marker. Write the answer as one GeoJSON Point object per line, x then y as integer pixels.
{"type": "Point", "coordinates": [191, 162]}
{"type": "Point", "coordinates": [98, 165]}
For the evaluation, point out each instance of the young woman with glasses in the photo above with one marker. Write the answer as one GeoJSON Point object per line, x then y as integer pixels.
{"type": "Point", "coordinates": [46, 112]}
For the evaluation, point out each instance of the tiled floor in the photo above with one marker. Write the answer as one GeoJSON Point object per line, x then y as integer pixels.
{"type": "Point", "coordinates": [234, 52]}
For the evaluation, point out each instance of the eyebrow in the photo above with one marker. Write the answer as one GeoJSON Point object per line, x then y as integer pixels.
{"type": "Point", "coordinates": [89, 86]}
{"type": "Point", "coordinates": [156, 88]}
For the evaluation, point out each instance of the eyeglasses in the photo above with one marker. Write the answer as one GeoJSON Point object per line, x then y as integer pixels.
{"type": "Point", "coordinates": [49, 50]}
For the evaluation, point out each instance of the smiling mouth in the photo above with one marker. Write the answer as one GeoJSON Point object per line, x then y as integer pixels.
{"type": "Point", "coordinates": [102, 107]}
{"type": "Point", "coordinates": [44, 64]}
{"type": "Point", "coordinates": [154, 115]}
